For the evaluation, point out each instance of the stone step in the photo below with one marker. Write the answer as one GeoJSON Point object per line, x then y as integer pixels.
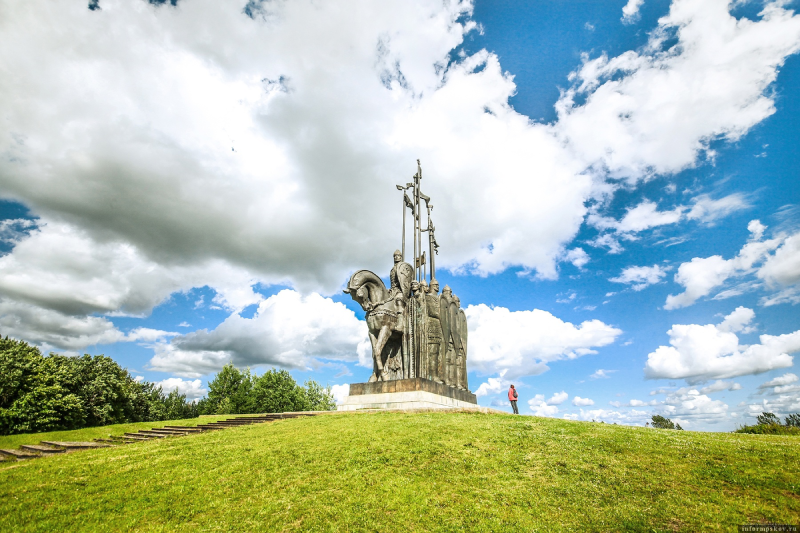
{"type": "Point", "coordinates": [19, 454]}
{"type": "Point", "coordinates": [145, 434]}
{"type": "Point", "coordinates": [194, 429]}
{"type": "Point", "coordinates": [128, 438]}
{"type": "Point", "coordinates": [39, 448]}
{"type": "Point", "coordinates": [110, 441]}
{"type": "Point", "coordinates": [157, 434]}
{"type": "Point", "coordinates": [70, 446]}
{"type": "Point", "coordinates": [169, 431]}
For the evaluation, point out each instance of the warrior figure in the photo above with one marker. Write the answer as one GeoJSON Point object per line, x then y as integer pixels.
{"type": "Point", "coordinates": [459, 335]}
{"type": "Point", "coordinates": [434, 332]}
{"type": "Point", "coordinates": [447, 348]}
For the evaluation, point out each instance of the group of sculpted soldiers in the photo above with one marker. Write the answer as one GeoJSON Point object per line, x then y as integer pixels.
{"type": "Point", "coordinates": [438, 335]}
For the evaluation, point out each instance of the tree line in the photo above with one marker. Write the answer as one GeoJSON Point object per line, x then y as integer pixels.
{"type": "Point", "coordinates": [769, 424]}
{"type": "Point", "coordinates": [57, 392]}
{"type": "Point", "coordinates": [234, 391]}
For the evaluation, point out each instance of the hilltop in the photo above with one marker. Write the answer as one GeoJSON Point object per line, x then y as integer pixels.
{"type": "Point", "coordinates": [436, 471]}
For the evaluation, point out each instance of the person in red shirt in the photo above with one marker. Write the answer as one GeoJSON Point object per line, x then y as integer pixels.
{"type": "Point", "coordinates": [512, 397]}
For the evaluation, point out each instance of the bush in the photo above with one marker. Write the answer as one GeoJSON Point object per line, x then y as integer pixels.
{"type": "Point", "coordinates": [768, 419]}
{"type": "Point", "coordinates": [769, 429]}
{"type": "Point", "coordinates": [769, 424]}
{"type": "Point", "coordinates": [660, 422]}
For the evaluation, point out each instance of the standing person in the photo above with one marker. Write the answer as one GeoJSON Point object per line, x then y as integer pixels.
{"type": "Point", "coordinates": [512, 397]}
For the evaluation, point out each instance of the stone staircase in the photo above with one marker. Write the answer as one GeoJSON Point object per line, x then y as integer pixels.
{"type": "Point", "coordinates": [46, 447]}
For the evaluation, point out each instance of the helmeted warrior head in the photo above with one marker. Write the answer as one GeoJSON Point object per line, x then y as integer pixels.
{"type": "Point", "coordinates": [434, 286]}
{"type": "Point", "coordinates": [447, 291]}
{"type": "Point", "coordinates": [398, 256]}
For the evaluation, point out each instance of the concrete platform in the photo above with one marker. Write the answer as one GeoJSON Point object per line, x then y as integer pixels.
{"type": "Point", "coordinates": [405, 394]}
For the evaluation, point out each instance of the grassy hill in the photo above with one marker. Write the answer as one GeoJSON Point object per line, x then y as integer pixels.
{"type": "Point", "coordinates": [412, 472]}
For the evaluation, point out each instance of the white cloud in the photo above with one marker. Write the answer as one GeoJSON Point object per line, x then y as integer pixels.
{"type": "Point", "coordinates": [641, 277]}
{"type": "Point", "coordinates": [62, 268]}
{"type": "Point", "coordinates": [558, 398]}
{"type": "Point", "coordinates": [640, 218]}
{"type": "Point", "coordinates": [492, 386]}
{"type": "Point", "coordinates": [719, 386]}
{"type": "Point", "coordinates": [577, 256]}
{"type": "Point", "coordinates": [701, 275]}
{"type": "Point", "coordinates": [630, 12]}
{"type": "Point", "coordinates": [632, 417]}
{"type": "Point", "coordinates": [711, 351]}
{"type": "Point", "coordinates": [287, 330]}
{"type": "Point", "coordinates": [659, 109]}
{"type": "Point", "coordinates": [340, 392]}
{"type": "Point", "coordinates": [783, 268]}
{"type": "Point", "coordinates": [694, 408]}
{"type": "Point", "coordinates": [582, 402]}
{"type": "Point", "coordinates": [738, 321]}
{"type": "Point", "coordinates": [521, 343]}
{"type": "Point", "coordinates": [541, 407]}
{"type": "Point", "coordinates": [192, 389]}
{"type": "Point", "coordinates": [708, 210]}
{"type": "Point", "coordinates": [785, 379]}
{"type": "Point", "coordinates": [601, 374]}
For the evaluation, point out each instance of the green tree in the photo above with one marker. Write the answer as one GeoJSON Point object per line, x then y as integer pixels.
{"type": "Point", "coordinates": [793, 420]}
{"type": "Point", "coordinates": [318, 398]}
{"type": "Point", "coordinates": [235, 386]}
{"type": "Point", "coordinates": [768, 419]}
{"type": "Point", "coordinates": [276, 391]}
{"type": "Point", "coordinates": [662, 423]}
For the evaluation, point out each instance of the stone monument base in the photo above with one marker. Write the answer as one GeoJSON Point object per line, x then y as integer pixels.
{"type": "Point", "coordinates": [416, 393]}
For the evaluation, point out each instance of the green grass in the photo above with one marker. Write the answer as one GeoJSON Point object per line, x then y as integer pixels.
{"type": "Point", "coordinates": [413, 472]}
{"type": "Point", "coordinates": [101, 432]}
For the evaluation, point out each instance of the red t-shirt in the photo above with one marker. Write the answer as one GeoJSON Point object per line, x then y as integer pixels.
{"type": "Point", "coordinates": [512, 393]}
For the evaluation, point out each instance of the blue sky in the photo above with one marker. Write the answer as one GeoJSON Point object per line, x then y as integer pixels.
{"type": "Point", "coordinates": [615, 185]}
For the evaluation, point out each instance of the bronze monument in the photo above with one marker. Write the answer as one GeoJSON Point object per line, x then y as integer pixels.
{"type": "Point", "coordinates": [419, 339]}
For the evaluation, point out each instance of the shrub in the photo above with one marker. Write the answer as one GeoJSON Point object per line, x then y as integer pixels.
{"type": "Point", "coordinates": [769, 429]}
{"type": "Point", "coordinates": [662, 423]}
{"type": "Point", "coordinates": [768, 419]}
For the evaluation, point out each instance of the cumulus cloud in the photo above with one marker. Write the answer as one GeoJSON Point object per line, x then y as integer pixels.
{"type": "Point", "coordinates": [521, 343]}
{"type": "Point", "coordinates": [694, 408]}
{"type": "Point", "coordinates": [601, 374]}
{"type": "Point", "coordinates": [783, 268]}
{"type": "Point", "coordinates": [630, 12]}
{"type": "Point", "coordinates": [631, 418]}
{"type": "Point", "coordinates": [541, 408]}
{"type": "Point", "coordinates": [582, 402]}
{"type": "Point", "coordinates": [699, 353]}
{"type": "Point", "coordinates": [702, 275]}
{"type": "Point", "coordinates": [783, 380]}
{"type": "Point", "coordinates": [287, 330]}
{"type": "Point", "coordinates": [340, 392]}
{"type": "Point", "coordinates": [558, 398]}
{"type": "Point", "coordinates": [51, 329]}
{"type": "Point", "coordinates": [661, 107]}
{"type": "Point", "coordinates": [492, 386]}
{"type": "Point", "coordinates": [641, 277]}
{"type": "Point", "coordinates": [192, 389]}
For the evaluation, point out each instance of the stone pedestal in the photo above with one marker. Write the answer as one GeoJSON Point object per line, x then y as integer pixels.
{"type": "Point", "coordinates": [416, 393]}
